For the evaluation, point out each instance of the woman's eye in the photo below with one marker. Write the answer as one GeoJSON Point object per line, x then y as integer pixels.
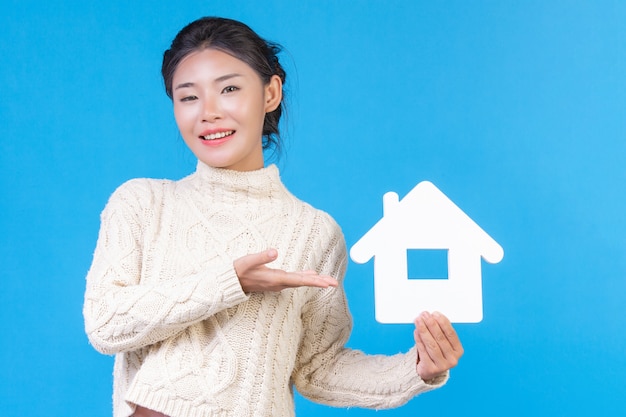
{"type": "Point", "coordinates": [230, 89]}
{"type": "Point", "coordinates": [188, 98]}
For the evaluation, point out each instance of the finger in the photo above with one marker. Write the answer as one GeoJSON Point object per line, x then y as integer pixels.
{"type": "Point", "coordinates": [332, 282]}
{"type": "Point", "coordinates": [425, 366]}
{"type": "Point", "coordinates": [253, 261]}
{"type": "Point", "coordinates": [449, 332]}
{"type": "Point", "coordinates": [431, 336]}
{"type": "Point", "coordinates": [439, 348]}
{"type": "Point", "coordinates": [315, 280]}
{"type": "Point", "coordinates": [429, 362]}
{"type": "Point", "coordinates": [419, 344]}
{"type": "Point", "coordinates": [269, 255]}
{"type": "Point", "coordinates": [436, 331]}
{"type": "Point", "coordinates": [258, 259]}
{"type": "Point", "coordinates": [304, 279]}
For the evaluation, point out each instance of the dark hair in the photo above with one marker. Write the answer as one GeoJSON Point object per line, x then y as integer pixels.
{"type": "Point", "coordinates": [238, 40]}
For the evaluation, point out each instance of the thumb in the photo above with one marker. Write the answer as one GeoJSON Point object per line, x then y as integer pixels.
{"type": "Point", "coordinates": [254, 260]}
{"type": "Point", "coordinates": [270, 255]}
{"type": "Point", "coordinates": [261, 258]}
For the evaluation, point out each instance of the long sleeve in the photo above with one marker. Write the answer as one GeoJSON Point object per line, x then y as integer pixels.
{"type": "Point", "coordinates": [124, 309]}
{"type": "Point", "coordinates": [329, 373]}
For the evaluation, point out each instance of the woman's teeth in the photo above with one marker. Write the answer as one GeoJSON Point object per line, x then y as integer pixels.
{"type": "Point", "coordinates": [218, 135]}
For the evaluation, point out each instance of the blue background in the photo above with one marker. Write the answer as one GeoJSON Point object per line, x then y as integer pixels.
{"type": "Point", "coordinates": [515, 110]}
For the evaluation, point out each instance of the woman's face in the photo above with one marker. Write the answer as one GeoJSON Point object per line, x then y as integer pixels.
{"type": "Point", "coordinates": [219, 105]}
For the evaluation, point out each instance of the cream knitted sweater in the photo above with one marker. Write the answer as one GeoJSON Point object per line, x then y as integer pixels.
{"type": "Point", "coordinates": [162, 295]}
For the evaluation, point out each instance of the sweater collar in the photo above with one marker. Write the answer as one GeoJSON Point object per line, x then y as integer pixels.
{"type": "Point", "coordinates": [262, 182]}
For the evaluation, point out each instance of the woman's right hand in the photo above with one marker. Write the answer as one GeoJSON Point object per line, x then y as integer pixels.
{"type": "Point", "coordinates": [255, 276]}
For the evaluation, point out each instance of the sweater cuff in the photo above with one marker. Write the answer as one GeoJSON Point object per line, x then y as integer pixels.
{"type": "Point", "coordinates": [227, 283]}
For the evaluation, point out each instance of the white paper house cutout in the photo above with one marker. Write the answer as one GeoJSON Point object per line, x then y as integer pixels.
{"type": "Point", "coordinates": [426, 219]}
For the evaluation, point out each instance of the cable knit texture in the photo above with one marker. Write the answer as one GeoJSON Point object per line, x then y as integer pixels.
{"type": "Point", "coordinates": [163, 296]}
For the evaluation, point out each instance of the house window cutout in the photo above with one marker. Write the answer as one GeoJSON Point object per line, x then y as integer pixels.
{"type": "Point", "coordinates": [427, 263]}
{"type": "Point", "coordinates": [426, 219]}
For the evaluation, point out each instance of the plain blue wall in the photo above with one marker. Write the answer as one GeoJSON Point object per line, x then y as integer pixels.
{"type": "Point", "coordinates": [516, 110]}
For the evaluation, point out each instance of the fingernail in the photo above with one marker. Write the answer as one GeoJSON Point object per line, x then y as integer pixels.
{"type": "Point", "coordinates": [272, 253]}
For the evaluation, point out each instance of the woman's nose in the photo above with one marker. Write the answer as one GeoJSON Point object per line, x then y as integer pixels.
{"type": "Point", "coordinates": [211, 110]}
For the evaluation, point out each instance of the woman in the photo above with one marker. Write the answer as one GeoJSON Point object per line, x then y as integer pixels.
{"type": "Point", "coordinates": [219, 292]}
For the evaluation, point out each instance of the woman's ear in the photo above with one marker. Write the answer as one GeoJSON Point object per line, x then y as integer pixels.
{"type": "Point", "coordinates": [273, 93]}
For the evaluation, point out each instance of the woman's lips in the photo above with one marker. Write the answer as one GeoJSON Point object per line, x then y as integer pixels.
{"type": "Point", "coordinates": [217, 135]}
{"type": "Point", "coordinates": [216, 138]}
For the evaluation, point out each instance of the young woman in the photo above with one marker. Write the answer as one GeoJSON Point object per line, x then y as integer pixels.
{"type": "Point", "coordinates": [219, 292]}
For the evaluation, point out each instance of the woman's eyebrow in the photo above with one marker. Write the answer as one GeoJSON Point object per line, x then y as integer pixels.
{"type": "Point", "coordinates": [227, 77]}
{"type": "Point", "coordinates": [216, 81]}
{"type": "Point", "coordinates": [184, 85]}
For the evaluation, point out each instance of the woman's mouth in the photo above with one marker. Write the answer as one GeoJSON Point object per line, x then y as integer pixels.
{"type": "Point", "coordinates": [217, 135]}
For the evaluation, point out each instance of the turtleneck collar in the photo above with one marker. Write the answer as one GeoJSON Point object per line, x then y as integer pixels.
{"type": "Point", "coordinates": [263, 182]}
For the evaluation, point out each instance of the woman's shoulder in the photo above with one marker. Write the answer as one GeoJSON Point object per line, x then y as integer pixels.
{"type": "Point", "coordinates": [140, 192]}
{"type": "Point", "coordinates": [141, 186]}
{"type": "Point", "coordinates": [322, 221]}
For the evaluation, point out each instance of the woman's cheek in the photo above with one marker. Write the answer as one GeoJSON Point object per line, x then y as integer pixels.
{"type": "Point", "coordinates": [185, 117]}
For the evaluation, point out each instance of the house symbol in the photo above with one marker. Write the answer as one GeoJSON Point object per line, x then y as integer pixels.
{"type": "Point", "coordinates": [426, 219]}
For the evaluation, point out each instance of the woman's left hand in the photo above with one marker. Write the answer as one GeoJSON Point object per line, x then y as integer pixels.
{"type": "Point", "coordinates": [438, 346]}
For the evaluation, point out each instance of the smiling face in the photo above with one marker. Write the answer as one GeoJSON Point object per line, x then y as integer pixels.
{"type": "Point", "coordinates": [219, 105]}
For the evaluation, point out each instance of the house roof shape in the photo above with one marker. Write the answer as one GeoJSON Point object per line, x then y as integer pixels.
{"type": "Point", "coordinates": [425, 219]}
